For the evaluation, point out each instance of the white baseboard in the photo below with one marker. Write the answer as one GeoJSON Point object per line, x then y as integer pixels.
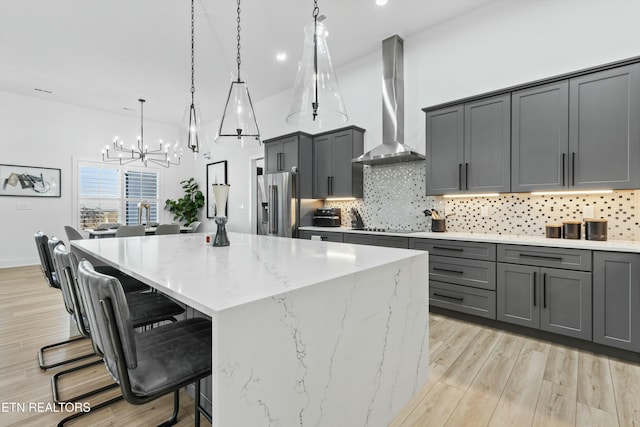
{"type": "Point", "coordinates": [19, 262]}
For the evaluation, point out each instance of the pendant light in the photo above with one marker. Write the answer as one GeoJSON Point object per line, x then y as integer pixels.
{"type": "Point", "coordinates": [238, 120]}
{"type": "Point", "coordinates": [317, 100]}
{"type": "Point", "coordinates": [192, 124]}
{"type": "Point", "coordinates": [140, 151]}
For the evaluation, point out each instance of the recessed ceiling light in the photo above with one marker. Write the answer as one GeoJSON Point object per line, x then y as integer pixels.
{"type": "Point", "coordinates": [381, 2]}
{"type": "Point", "coordinates": [281, 56]}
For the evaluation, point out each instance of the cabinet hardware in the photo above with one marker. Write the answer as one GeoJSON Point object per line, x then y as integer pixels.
{"type": "Point", "coordinates": [563, 168]}
{"type": "Point", "coordinates": [282, 161]}
{"type": "Point", "coordinates": [544, 290]}
{"type": "Point", "coordinates": [328, 185]}
{"type": "Point", "coordinates": [447, 296]}
{"type": "Point", "coordinates": [535, 288]}
{"type": "Point", "coordinates": [332, 185]}
{"type": "Point", "coordinates": [551, 258]}
{"type": "Point", "coordinates": [279, 162]}
{"type": "Point", "coordinates": [459, 176]}
{"type": "Point", "coordinates": [324, 238]}
{"type": "Point", "coordinates": [466, 176]}
{"type": "Point", "coordinates": [573, 168]}
{"type": "Point", "coordinates": [447, 270]}
{"type": "Point", "coordinates": [448, 249]}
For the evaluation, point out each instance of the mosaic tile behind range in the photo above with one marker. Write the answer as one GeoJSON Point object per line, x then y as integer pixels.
{"type": "Point", "coordinates": [394, 198]}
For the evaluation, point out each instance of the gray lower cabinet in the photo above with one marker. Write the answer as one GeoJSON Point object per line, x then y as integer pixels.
{"type": "Point", "coordinates": [616, 299]}
{"type": "Point", "coordinates": [552, 299]}
{"type": "Point", "coordinates": [540, 138]}
{"type": "Point", "coordinates": [327, 236]}
{"type": "Point", "coordinates": [479, 302]}
{"type": "Point", "coordinates": [377, 240]}
{"type": "Point", "coordinates": [604, 134]}
{"type": "Point", "coordinates": [333, 173]}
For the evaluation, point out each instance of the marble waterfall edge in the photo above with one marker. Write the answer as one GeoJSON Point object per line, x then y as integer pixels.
{"type": "Point", "coordinates": [350, 352]}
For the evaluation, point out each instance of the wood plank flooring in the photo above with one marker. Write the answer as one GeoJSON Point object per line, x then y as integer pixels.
{"type": "Point", "coordinates": [478, 376]}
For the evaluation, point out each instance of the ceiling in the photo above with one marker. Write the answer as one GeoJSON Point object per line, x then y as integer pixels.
{"type": "Point", "coordinates": [105, 54]}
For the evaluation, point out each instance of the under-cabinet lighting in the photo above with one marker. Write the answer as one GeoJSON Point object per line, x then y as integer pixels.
{"type": "Point", "coordinates": [569, 193]}
{"type": "Point", "coordinates": [340, 199]}
{"type": "Point", "coordinates": [453, 196]}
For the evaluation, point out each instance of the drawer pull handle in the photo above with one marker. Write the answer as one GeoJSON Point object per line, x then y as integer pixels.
{"type": "Point", "coordinates": [551, 258]}
{"type": "Point", "coordinates": [435, 294]}
{"type": "Point", "coordinates": [447, 270]}
{"type": "Point", "coordinates": [442, 248]}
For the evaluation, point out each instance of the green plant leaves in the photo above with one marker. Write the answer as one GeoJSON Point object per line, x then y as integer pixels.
{"type": "Point", "coordinates": [186, 208]}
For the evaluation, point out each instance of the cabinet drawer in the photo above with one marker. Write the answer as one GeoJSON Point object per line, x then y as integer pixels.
{"type": "Point", "coordinates": [479, 274]}
{"type": "Point", "coordinates": [472, 250]}
{"type": "Point", "coordinates": [479, 302]}
{"type": "Point", "coordinates": [570, 259]}
{"type": "Point", "coordinates": [376, 240]}
{"type": "Point", "coordinates": [327, 236]}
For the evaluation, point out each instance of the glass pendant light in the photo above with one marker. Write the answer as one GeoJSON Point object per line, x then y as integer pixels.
{"type": "Point", "coordinates": [238, 120]}
{"type": "Point", "coordinates": [191, 120]}
{"type": "Point", "coordinates": [317, 100]}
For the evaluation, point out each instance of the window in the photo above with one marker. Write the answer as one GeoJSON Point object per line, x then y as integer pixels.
{"type": "Point", "coordinates": [108, 193]}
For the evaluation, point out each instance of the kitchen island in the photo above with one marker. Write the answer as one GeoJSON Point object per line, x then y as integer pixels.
{"type": "Point", "coordinates": [305, 333]}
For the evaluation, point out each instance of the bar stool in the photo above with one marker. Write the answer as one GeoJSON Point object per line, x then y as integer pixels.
{"type": "Point", "coordinates": [167, 229]}
{"type": "Point", "coordinates": [146, 309]}
{"type": "Point", "coordinates": [152, 363]}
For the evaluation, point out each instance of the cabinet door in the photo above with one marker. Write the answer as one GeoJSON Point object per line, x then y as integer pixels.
{"type": "Point", "coordinates": [359, 239]}
{"type": "Point", "coordinates": [566, 302]}
{"type": "Point", "coordinates": [445, 150]}
{"type": "Point", "coordinates": [341, 166]}
{"type": "Point", "coordinates": [518, 294]}
{"type": "Point", "coordinates": [540, 138]}
{"type": "Point", "coordinates": [289, 156]}
{"type": "Point", "coordinates": [487, 145]}
{"type": "Point", "coordinates": [604, 130]}
{"type": "Point", "coordinates": [616, 299]}
{"type": "Point", "coordinates": [321, 166]}
{"type": "Point", "coordinates": [272, 157]}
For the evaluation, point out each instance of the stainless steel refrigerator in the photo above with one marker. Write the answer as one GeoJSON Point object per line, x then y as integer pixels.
{"type": "Point", "coordinates": [280, 210]}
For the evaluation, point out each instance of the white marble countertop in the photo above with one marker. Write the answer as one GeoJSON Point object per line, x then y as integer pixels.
{"type": "Point", "coordinates": [610, 245]}
{"type": "Point", "coordinates": [253, 267]}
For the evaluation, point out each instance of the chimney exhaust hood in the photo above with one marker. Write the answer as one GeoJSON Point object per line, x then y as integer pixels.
{"type": "Point", "coordinates": [392, 149]}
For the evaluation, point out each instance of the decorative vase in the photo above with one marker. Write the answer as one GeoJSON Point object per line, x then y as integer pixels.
{"type": "Point", "coordinates": [220, 194]}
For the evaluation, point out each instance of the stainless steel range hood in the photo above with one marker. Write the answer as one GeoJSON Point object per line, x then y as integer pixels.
{"type": "Point", "coordinates": [392, 149]}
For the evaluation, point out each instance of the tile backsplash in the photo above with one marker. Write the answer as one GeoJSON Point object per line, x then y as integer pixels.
{"type": "Point", "coordinates": [394, 198]}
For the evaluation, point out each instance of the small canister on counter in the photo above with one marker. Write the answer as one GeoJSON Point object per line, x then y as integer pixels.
{"type": "Point", "coordinates": [438, 225]}
{"type": "Point", "coordinates": [571, 229]}
{"type": "Point", "coordinates": [595, 229]}
{"type": "Point", "coordinates": [553, 231]}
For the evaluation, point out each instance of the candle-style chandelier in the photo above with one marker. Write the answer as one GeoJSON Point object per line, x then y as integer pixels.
{"type": "Point", "coordinates": [163, 156]}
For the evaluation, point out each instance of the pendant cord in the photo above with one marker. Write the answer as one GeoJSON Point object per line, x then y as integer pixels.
{"type": "Point", "coordinates": [141, 143]}
{"type": "Point", "coordinates": [238, 39]}
{"type": "Point", "coordinates": [316, 12]}
{"type": "Point", "coordinates": [193, 86]}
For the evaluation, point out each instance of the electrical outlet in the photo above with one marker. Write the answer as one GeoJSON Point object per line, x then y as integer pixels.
{"type": "Point", "coordinates": [588, 212]}
{"type": "Point", "coordinates": [484, 211]}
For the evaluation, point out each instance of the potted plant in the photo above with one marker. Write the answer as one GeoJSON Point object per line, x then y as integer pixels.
{"type": "Point", "coordinates": [186, 208]}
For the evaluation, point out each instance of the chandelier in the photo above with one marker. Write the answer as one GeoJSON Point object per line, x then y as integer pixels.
{"type": "Point", "coordinates": [193, 126]}
{"type": "Point", "coordinates": [140, 151]}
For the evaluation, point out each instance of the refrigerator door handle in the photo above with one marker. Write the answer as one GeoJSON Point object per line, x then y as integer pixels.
{"type": "Point", "coordinates": [273, 209]}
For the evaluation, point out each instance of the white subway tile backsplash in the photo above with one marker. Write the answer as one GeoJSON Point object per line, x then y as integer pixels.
{"type": "Point", "coordinates": [394, 198]}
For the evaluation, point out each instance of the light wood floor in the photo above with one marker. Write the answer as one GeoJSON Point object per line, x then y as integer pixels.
{"type": "Point", "coordinates": [478, 376]}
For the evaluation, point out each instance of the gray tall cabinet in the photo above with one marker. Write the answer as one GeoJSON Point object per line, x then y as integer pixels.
{"type": "Point", "coordinates": [292, 151]}
{"type": "Point", "coordinates": [468, 147]}
{"type": "Point", "coordinates": [579, 133]}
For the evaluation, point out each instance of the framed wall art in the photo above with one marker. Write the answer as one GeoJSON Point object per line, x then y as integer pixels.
{"type": "Point", "coordinates": [216, 174]}
{"type": "Point", "coordinates": [29, 181]}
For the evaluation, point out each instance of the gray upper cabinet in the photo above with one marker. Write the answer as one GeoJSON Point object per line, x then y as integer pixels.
{"type": "Point", "coordinates": [445, 150]}
{"type": "Point", "coordinates": [468, 147]}
{"type": "Point", "coordinates": [284, 153]}
{"type": "Point", "coordinates": [540, 138]}
{"type": "Point", "coordinates": [487, 145]}
{"type": "Point", "coordinates": [616, 299]}
{"type": "Point", "coordinates": [604, 130]}
{"type": "Point", "coordinates": [333, 173]}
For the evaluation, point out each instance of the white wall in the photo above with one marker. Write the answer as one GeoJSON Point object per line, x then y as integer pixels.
{"type": "Point", "coordinates": [505, 43]}
{"type": "Point", "coordinates": [36, 132]}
